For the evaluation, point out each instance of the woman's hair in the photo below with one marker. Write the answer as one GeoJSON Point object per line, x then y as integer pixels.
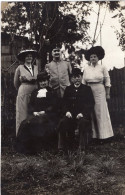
{"type": "Point", "coordinates": [43, 76]}
{"type": "Point", "coordinates": [98, 50]}
{"type": "Point", "coordinates": [38, 82]}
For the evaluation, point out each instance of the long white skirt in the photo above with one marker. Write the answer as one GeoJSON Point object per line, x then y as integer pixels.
{"type": "Point", "coordinates": [101, 123]}
{"type": "Point", "coordinates": [22, 103]}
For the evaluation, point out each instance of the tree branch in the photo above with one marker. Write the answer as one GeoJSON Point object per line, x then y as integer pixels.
{"type": "Point", "coordinates": [96, 25]}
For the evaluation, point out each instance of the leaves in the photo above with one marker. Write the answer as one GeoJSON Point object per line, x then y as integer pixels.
{"type": "Point", "coordinates": [54, 20]}
{"type": "Point", "coordinates": [120, 33]}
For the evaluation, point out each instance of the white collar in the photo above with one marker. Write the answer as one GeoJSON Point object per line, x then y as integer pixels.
{"type": "Point", "coordinates": [29, 67]}
{"type": "Point", "coordinates": [77, 86]}
{"type": "Point", "coordinates": [42, 93]}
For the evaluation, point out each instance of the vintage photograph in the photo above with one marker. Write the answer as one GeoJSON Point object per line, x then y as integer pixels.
{"type": "Point", "coordinates": [63, 98]}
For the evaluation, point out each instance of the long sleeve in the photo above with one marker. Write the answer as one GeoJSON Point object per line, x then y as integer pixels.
{"type": "Point", "coordinates": [16, 78]}
{"type": "Point", "coordinates": [69, 68]}
{"type": "Point", "coordinates": [52, 100]}
{"type": "Point", "coordinates": [89, 106]}
{"type": "Point", "coordinates": [83, 79]}
{"type": "Point", "coordinates": [65, 102]}
{"type": "Point", "coordinates": [106, 77]}
{"type": "Point", "coordinates": [47, 69]}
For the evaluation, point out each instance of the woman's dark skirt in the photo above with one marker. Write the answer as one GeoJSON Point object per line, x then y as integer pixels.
{"type": "Point", "coordinates": [37, 133]}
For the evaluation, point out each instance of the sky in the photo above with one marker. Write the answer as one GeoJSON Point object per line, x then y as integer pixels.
{"type": "Point", "coordinates": [114, 56]}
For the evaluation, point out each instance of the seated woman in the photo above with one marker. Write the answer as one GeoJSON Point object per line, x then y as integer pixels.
{"type": "Point", "coordinates": [39, 129]}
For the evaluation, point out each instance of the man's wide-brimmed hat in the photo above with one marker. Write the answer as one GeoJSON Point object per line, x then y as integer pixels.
{"type": "Point", "coordinates": [21, 56]}
{"type": "Point", "coordinates": [76, 72]}
{"type": "Point", "coordinates": [43, 76]}
{"type": "Point", "coordinates": [98, 50]}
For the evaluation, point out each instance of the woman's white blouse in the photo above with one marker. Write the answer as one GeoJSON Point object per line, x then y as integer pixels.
{"type": "Point", "coordinates": [98, 73]}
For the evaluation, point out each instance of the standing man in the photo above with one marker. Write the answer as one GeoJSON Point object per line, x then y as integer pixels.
{"type": "Point", "coordinates": [59, 71]}
{"type": "Point", "coordinates": [78, 104]}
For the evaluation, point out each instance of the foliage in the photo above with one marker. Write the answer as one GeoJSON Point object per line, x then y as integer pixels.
{"type": "Point", "coordinates": [121, 32]}
{"type": "Point", "coordinates": [115, 6]}
{"type": "Point", "coordinates": [46, 22]}
{"type": "Point", "coordinates": [54, 23]}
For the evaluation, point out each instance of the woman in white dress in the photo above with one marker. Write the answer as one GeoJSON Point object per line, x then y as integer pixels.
{"type": "Point", "coordinates": [97, 77]}
{"type": "Point", "coordinates": [25, 82]}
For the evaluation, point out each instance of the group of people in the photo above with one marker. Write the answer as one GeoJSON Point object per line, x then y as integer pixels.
{"type": "Point", "coordinates": [52, 104]}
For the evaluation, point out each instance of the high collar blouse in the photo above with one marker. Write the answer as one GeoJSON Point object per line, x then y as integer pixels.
{"type": "Point", "coordinates": [30, 69]}
{"type": "Point", "coordinates": [98, 73]}
{"type": "Point", "coordinates": [22, 70]}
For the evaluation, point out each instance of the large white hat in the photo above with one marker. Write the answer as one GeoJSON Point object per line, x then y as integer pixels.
{"type": "Point", "coordinates": [21, 56]}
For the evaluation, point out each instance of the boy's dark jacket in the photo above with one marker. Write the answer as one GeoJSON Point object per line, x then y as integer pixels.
{"type": "Point", "coordinates": [78, 100]}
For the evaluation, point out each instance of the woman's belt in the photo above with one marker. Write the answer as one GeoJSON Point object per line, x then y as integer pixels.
{"type": "Point", "coordinates": [32, 82]}
{"type": "Point", "coordinates": [95, 82]}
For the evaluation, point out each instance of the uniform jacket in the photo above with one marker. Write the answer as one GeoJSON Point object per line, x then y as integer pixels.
{"type": "Point", "coordinates": [59, 74]}
{"type": "Point", "coordinates": [78, 100]}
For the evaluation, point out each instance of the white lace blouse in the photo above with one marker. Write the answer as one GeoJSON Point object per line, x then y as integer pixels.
{"type": "Point", "coordinates": [98, 73]}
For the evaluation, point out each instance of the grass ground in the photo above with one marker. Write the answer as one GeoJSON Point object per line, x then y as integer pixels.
{"type": "Point", "coordinates": [101, 171]}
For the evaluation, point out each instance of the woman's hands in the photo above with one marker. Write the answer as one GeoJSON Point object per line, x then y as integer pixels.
{"type": "Point", "coordinates": [24, 78]}
{"type": "Point", "coordinates": [39, 113]}
{"type": "Point", "coordinates": [42, 112]}
{"type": "Point", "coordinates": [107, 96]}
{"type": "Point", "coordinates": [107, 90]}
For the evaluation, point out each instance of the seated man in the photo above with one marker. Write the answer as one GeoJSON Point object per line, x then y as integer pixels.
{"type": "Point", "coordinates": [78, 103]}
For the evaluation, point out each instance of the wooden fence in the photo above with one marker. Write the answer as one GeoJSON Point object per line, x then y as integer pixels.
{"type": "Point", "coordinates": [8, 101]}
{"type": "Point", "coordinates": [117, 101]}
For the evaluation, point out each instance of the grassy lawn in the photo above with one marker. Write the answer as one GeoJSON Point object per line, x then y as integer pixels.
{"type": "Point", "coordinates": [101, 171]}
